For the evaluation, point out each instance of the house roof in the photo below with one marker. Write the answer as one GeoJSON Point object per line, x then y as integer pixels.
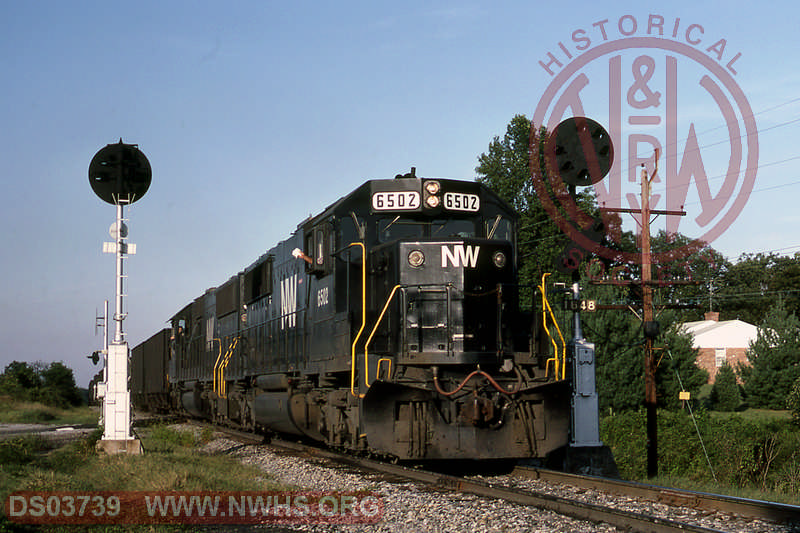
{"type": "Point", "coordinates": [720, 334]}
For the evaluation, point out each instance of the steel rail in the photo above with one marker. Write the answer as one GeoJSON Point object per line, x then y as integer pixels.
{"type": "Point", "coordinates": [627, 520]}
{"type": "Point", "coordinates": [772, 511]}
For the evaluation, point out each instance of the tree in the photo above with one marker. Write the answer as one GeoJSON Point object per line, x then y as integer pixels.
{"type": "Point", "coordinates": [506, 169]}
{"type": "Point", "coordinates": [58, 386]}
{"type": "Point", "coordinates": [52, 384]}
{"type": "Point", "coordinates": [748, 286]}
{"type": "Point", "coordinates": [619, 346]}
{"type": "Point", "coordinates": [774, 359]}
{"type": "Point", "coordinates": [619, 341]}
{"type": "Point", "coordinates": [683, 258]}
{"type": "Point", "coordinates": [19, 380]}
{"type": "Point", "coordinates": [793, 401]}
{"type": "Point", "coordinates": [677, 369]}
{"type": "Point", "coordinates": [725, 395]}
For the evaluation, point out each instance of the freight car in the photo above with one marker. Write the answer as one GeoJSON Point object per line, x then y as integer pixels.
{"type": "Point", "coordinates": [149, 381]}
{"type": "Point", "coordinates": [389, 323]}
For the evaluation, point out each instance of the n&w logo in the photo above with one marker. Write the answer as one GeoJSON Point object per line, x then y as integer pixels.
{"type": "Point", "coordinates": [289, 301]}
{"type": "Point", "coordinates": [460, 255]}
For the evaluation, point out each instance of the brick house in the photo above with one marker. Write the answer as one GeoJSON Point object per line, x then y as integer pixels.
{"type": "Point", "coordinates": [720, 341]}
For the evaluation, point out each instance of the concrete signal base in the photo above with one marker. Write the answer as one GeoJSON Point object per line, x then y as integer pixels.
{"type": "Point", "coordinates": [113, 447]}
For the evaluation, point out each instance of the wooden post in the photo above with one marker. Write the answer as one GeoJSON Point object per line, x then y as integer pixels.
{"type": "Point", "coordinates": [647, 316]}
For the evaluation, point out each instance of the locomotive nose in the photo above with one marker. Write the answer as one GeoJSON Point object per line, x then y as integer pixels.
{"type": "Point", "coordinates": [452, 290]}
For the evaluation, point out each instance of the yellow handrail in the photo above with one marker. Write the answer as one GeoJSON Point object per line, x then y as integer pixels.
{"type": "Point", "coordinates": [225, 362]}
{"type": "Point", "coordinates": [363, 316]}
{"type": "Point", "coordinates": [378, 370]}
{"type": "Point", "coordinates": [216, 368]}
{"type": "Point", "coordinates": [372, 334]}
{"type": "Point", "coordinates": [547, 308]}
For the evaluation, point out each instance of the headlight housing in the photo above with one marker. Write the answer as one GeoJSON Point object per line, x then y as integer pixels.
{"type": "Point", "coordinates": [416, 258]}
{"type": "Point", "coordinates": [432, 189]}
{"type": "Point", "coordinates": [499, 259]}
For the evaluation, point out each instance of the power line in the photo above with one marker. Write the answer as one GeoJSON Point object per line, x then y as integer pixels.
{"type": "Point", "coordinates": [777, 249]}
{"type": "Point", "coordinates": [758, 131]}
{"type": "Point", "coordinates": [753, 115]}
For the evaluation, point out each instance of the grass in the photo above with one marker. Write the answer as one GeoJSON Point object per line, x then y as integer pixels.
{"type": "Point", "coordinates": [719, 488]}
{"type": "Point", "coordinates": [171, 462]}
{"type": "Point", "coordinates": [22, 412]}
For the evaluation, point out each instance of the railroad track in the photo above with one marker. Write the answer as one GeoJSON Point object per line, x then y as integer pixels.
{"type": "Point", "coordinates": [567, 506]}
{"type": "Point", "coordinates": [757, 509]}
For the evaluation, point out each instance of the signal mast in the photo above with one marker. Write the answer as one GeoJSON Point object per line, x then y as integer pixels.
{"type": "Point", "coordinates": [119, 174]}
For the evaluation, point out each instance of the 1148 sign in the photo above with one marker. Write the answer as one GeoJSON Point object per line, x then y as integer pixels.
{"type": "Point", "coordinates": [580, 305]}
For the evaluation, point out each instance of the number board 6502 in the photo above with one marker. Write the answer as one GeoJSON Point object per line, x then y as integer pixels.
{"type": "Point", "coordinates": [395, 200]}
{"type": "Point", "coordinates": [461, 201]}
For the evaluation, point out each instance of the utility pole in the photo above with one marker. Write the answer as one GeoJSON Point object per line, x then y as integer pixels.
{"type": "Point", "coordinates": [650, 325]}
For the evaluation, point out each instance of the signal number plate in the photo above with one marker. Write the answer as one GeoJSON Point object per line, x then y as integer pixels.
{"type": "Point", "coordinates": [461, 201]}
{"type": "Point", "coordinates": [395, 200]}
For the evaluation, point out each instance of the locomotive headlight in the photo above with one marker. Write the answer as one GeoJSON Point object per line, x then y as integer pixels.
{"type": "Point", "coordinates": [499, 259]}
{"type": "Point", "coordinates": [432, 187]}
{"type": "Point", "coordinates": [416, 258]}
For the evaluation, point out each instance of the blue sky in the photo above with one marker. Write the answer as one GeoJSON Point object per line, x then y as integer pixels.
{"type": "Point", "coordinates": [256, 114]}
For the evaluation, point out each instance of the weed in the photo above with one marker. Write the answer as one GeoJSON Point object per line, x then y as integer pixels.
{"type": "Point", "coordinates": [15, 453]}
{"type": "Point", "coordinates": [206, 434]}
{"type": "Point", "coordinates": [167, 439]}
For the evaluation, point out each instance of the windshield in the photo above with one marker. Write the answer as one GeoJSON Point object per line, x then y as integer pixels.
{"type": "Point", "coordinates": [390, 229]}
{"type": "Point", "coordinates": [500, 229]}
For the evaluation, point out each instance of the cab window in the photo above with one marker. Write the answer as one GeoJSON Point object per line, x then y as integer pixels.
{"type": "Point", "coordinates": [499, 229]}
{"type": "Point", "coordinates": [453, 228]}
{"type": "Point", "coordinates": [391, 229]}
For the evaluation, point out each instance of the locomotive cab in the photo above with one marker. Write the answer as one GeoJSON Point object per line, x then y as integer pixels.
{"type": "Point", "coordinates": [448, 367]}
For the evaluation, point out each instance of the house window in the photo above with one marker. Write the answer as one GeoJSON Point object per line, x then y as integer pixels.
{"type": "Point", "coordinates": [719, 356]}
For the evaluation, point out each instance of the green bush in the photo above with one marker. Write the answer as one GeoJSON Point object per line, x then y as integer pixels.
{"type": "Point", "coordinates": [624, 433]}
{"type": "Point", "coordinates": [68, 459]}
{"type": "Point", "coordinates": [793, 401]}
{"type": "Point", "coordinates": [757, 454]}
{"type": "Point", "coordinates": [19, 452]}
{"type": "Point", "coordinates": [725, 395]}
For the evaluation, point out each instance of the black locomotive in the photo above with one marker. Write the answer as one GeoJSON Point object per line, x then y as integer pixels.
{"type": "Point", "coordinates": [389, 323]}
